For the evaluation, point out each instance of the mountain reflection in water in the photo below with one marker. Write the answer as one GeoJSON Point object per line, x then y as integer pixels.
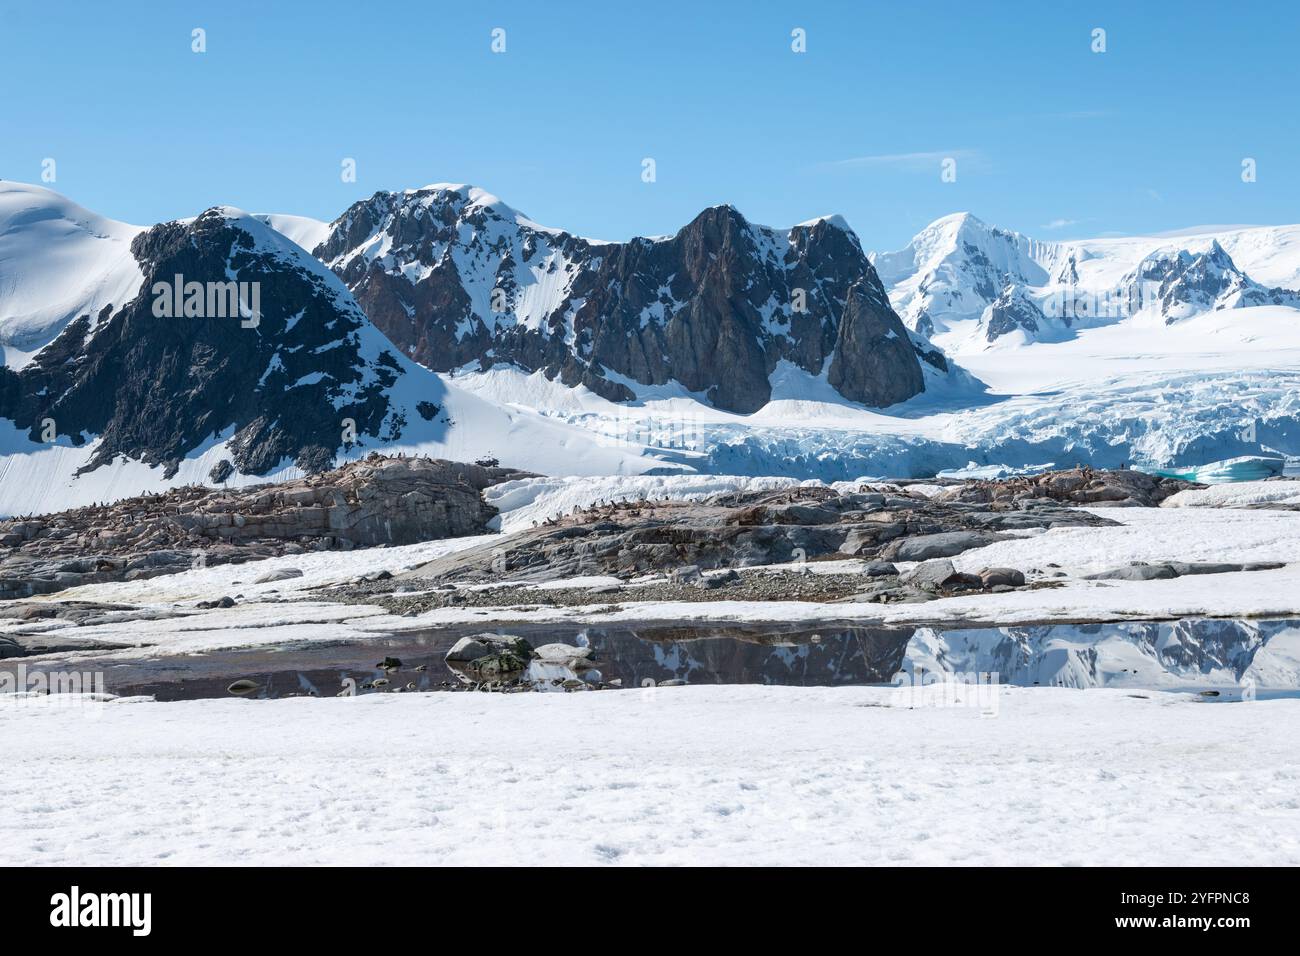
{"type": "Point", "coordinates": [1239, 657]}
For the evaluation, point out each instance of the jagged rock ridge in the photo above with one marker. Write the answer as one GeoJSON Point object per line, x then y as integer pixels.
{"type": "Point", "coordinates": [457, 278]}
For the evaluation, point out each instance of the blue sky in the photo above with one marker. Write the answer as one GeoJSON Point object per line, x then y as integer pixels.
{"type": "Point", "coordinates": [1050, 138]}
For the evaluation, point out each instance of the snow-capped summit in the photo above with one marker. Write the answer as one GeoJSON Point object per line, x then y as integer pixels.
{"type": "Point", "coordinates": [955, 268]}
{"type": "Point", "coordinates": [968, 284]}
{"type": "Point", "coordinates": [58, 261]}
{"type": "Point", "coordinates": [457, 278]}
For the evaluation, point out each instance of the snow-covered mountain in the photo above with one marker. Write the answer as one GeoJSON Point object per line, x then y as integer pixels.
{"type": "Point", "coordinates": [955, 268]}
{"type": "Point", "coordinates": [677, 353]}
{"type": "Point", "coordinates": [457, 278]}
{"type": "Point", "coordinates": [213, 349]}
{"type": "Point", "coordinates": [969, 284]}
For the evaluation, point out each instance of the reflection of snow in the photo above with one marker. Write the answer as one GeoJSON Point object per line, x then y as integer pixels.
{"type": "Point", "coordinates": [1168, 654]}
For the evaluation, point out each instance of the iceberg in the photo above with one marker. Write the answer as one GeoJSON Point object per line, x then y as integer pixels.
{"type": "Point", "coordinates": [1245, 468]}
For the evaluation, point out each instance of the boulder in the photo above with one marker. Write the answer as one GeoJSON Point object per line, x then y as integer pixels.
{"type": "Point", "coordinates": [685, 575]}
{"type": "Point", "coordinates": [945, 544]}
{"type": "Point", "coordinates": [1138, 571]}
{"type": "Point", "coordinates": [930, 575]}
{"type": "Point", "coordinates": [466, 649]}
{"type": "Point", "coordinates": [1002, 577]}
{"type": "Point", "coordinates": [279, 574]}
{"type": "Point", "coordinates": [560, 652]}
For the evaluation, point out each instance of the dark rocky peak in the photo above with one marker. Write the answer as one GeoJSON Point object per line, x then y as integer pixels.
{"type": "Point", "coordinates": [458, 279]}
{"type": "Point", "coordinates": [236, 334]}
{"type": "Point", "coordinates": [874, 360]}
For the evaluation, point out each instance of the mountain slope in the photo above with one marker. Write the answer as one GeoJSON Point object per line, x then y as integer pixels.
{"type": "Point", "coordinates": [58, 262]}
{"type": "Point", "coordinates": [955, 268]}
{"type": "Point", "coordinates": [457, 278]}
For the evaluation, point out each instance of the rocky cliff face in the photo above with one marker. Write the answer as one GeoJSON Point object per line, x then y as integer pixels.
{"type": "Point", "coordinates": [273, 355]}
{"type": "Point", "coordinates": [456, 278]}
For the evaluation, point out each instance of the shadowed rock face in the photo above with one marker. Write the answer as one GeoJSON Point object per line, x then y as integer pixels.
{"type": "Point", "coordinates": [456, 278]}
{"type": "Point", "coordinates": [155, 388]}
{"type": "Point", "coordinates": [376, 501]}
{"type": "Point", "coordinates": [874, 361]}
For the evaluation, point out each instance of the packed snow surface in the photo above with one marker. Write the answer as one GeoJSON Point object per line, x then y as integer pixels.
{"type": "Point", "coordinates": [303, 230]}
{"type": "Point", "coordinates": [1240, 495]}
{"type": "Point", "coordinates": [740, 775]}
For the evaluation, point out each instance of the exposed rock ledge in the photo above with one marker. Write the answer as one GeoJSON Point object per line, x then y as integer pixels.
{"type": "Point", "coordinates": [376, 501]}
{"type": "Point", "coordinates": [1078, 486]}
{"type": "Point", "coordinates": [749, 529]}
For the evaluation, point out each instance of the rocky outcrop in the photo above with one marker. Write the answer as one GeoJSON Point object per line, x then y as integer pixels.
{"type": "Point", "coordinates": [1164, 570]}
{"type": "Point", "coordinates": [744, 529]}
{"type": "Point", "coordinates": [1078, 486]}
{"type": "Point", "coordinates": [456, 278]}
{"type": "Point", "coordinates": [376, 501]}
{"type": "Point", "coordinates": [1013, 310]}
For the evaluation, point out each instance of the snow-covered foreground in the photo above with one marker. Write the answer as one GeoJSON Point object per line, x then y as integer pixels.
{"type": "Point", "coordinates": [685, 775]}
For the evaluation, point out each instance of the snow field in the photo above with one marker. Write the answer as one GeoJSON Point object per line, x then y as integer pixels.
{"type": "Point", "coordinates": [686, 775]}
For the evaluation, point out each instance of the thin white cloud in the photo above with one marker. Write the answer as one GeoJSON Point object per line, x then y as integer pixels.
{"type": "Point", "coordinates": [922, 160]}
{"type": "Point", "coordinates": [1060, 223]}
{"type": "Point", "coordinates": [1080, 114]}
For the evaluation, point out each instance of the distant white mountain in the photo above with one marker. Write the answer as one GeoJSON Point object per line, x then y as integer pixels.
{"type": "Point", "coordinates": [303, 230]}
{"type": "Point", "coordinates": [970, 285]}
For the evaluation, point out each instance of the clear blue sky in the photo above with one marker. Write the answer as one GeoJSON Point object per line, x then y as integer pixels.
{"type": "Point", "coordinates": [1050, 138]}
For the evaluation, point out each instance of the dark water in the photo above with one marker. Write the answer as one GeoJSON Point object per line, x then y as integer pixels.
{"type": "Point", "coordinates": [729, 654]}
{"type": "Point", "coordinates": [1230, 657]}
